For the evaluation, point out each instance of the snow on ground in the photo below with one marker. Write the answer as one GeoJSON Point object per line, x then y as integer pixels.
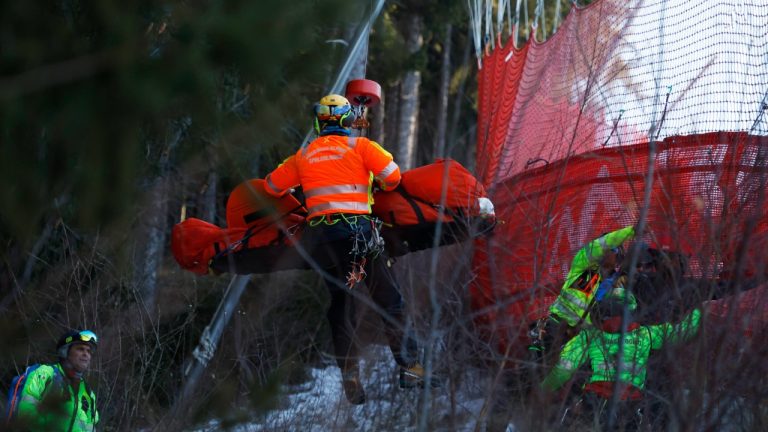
{"type": "Point", "coordinates": [320, 405]}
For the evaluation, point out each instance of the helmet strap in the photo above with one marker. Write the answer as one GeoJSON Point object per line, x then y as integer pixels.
{"type": "Point", "coordinates": [64, 351]}
{"type": "Point", "coordinates": [334, 129]}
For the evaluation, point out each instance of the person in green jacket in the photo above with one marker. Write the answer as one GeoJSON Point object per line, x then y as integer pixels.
{"type": "Point", "coordinates": [599, 345]}
{"type": "Point", "coordinates": [592, 270]}
{"type": "Point", "coordinates": [56, 397]}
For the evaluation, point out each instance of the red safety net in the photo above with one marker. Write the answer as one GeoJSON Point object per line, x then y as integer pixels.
{"type": "Point", "coordinates": [567, 127]}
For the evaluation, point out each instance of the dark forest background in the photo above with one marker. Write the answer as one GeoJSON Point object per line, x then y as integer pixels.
{"type": "Point", "coordinates": [119, 118]}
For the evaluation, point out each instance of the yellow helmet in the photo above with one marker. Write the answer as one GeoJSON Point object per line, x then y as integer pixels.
{"type": "Point", "coordinates": [333, 110]}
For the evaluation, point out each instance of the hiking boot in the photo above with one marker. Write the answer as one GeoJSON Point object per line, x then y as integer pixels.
{"type": "Point", "coordinates": [353, 388]}
{"type": "Point", "coordinates": [414, 376]}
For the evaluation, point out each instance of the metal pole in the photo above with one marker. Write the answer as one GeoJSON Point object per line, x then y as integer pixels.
{"type": "Point", "coordinates": [360, 46]}
{"type": "Point", "coordinates": [203, 353]}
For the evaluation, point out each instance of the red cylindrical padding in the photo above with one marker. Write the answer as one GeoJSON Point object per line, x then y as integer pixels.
{"type": "Point", "coordinates": [363, 92]}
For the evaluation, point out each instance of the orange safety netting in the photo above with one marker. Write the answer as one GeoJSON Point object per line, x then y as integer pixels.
{"type": "Point", "coordinates": [566, 129]}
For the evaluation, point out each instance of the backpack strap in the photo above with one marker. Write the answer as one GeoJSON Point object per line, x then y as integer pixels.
{"type": "Point", "coordinates": [411, 200]}
{"type": "Point", "coordinates": [250, 232]}
{"type": "Point", "coordinates": [455, 213]}
{"type": "Point", "coordinates": [14, 393]}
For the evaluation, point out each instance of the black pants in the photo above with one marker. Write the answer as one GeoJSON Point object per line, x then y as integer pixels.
{"type": "Point", "coordinates": [330, 247]}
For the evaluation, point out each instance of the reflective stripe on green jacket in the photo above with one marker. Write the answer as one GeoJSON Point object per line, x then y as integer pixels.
{"type": "Point", "coordinates": [572, 302]}
{"type": "Point", "coordinates": [601, 348]}
{"type": "Point", "coordinates": [49, 404]}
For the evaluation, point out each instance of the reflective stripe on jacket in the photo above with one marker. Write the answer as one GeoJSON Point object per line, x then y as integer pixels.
{"type": "Point", "coordinates": [336, 173]}
{"type": "Point", "coordinates": [574, 299]}
{"type": "Point", "coordinates": [76, 412]}
{"type": "Point", "coordinates": [601, 349]}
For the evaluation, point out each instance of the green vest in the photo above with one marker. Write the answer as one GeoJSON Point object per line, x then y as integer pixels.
{"type": "Point", "coordinates": [601, 349]}
{"type": "Point", "coordinates": [584, 277]}
{"type": "Point", "coordinates": [54, 405]}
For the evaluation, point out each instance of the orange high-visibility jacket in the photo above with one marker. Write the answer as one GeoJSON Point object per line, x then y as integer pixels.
{"type": "Point", "coordinates": [336, 173]}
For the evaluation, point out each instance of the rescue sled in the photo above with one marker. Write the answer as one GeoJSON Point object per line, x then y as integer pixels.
{"type": "Point", "coordinates": [263, 233]}
{"type": "Point", "coordinates": [442, 191]}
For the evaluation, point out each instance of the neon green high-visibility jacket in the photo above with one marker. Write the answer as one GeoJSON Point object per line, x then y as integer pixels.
{"type": "Point", "coordinates": [51, 404]}
{"type": "Point", "coordinates": [584, 277]}
{"type": "Point", "coordinates": [601, 349]}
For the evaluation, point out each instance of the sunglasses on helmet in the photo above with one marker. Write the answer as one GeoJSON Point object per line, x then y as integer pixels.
{"type": "Point", "coordinates": [83, 336]}
{"type": "Point", "coordinates": [331, 112]}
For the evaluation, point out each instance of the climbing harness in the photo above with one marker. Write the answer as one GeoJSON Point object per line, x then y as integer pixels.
{"type": "Point", "coordinates": [373, 246]}
{"type": "Point", "coordinates": [357, 274]}
{"type": "Point", "coordinates": [363, 247]}
{"type": "Point", "coordinates": [333, 219]}
{"type": "Point", "coordinates": [358, 252]}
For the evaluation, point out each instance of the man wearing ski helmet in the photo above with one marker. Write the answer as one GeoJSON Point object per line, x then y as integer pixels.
{"type": "Point", "coordinates": [56, 396]}
{"type": "Point", "coordinates": [336, 173]}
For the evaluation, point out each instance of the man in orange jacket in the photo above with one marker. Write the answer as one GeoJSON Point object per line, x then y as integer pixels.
{"type": "Point", "coordinates": [336, 173]}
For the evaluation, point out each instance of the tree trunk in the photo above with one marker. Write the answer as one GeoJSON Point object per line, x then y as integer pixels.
{"type": "Point", "coordinates": [391, 118]}
{"type": "Point", "coordinates": [360, 62]}
{"type": "Point", "coordinates": [470, 139]}
{"type": "Point", "coordinates": [207, 202]}
{"type": "Point", "coordinates": [377, 132]}
{"type": "Point", "coordinates": [445, 80]}
{"type": "Point", "coordinates": [8, 280]}
{"type": "Point", "coordinates": [409, 98]}
{"type": "Point", "coordinates": [457, 104]}
{"type": "Point", "coordinates": [152, 229]}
